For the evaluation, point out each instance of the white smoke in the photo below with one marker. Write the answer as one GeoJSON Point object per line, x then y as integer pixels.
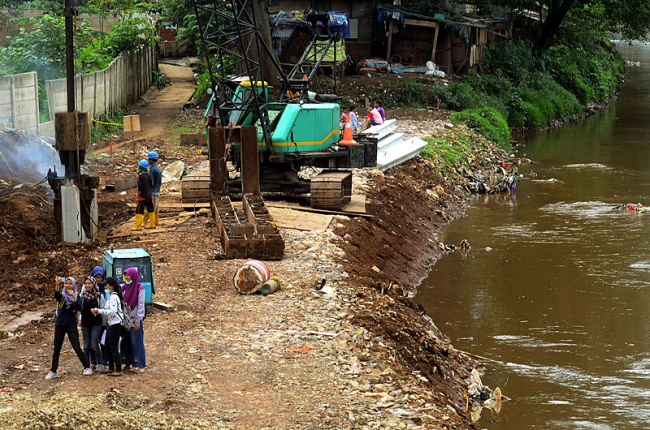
{"type": "Point", "coordinates": [26, 158]}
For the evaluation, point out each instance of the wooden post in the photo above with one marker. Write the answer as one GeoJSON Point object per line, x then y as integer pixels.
{"type": "Point", "coordinates": [218, 168]}
{"type": "Point", "coordinates": [250, 166]}
{"type": "Point", "coordinates": [390, 40]}
{"type": "Point", "coordinates": [435, 44]}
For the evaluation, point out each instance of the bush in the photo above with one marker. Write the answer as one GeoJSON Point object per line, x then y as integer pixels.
{"type": "Point", "coordinates": [203, 83]}
{"type": "Point", "coordinates": [517, 61]}
{"type": "Point", "coordinates": [107, 128]}
{"type": "Point", "coordinates": [487, 121]}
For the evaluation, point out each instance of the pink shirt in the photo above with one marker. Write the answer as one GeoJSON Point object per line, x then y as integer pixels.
{"type": "Point", "coordinates": [376, 116]}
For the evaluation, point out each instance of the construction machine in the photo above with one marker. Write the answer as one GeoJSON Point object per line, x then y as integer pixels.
{"type": "Point", "coordinates": [295, 129]}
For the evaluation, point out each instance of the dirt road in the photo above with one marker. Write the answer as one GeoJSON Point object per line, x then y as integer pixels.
{"type": "Point", "coordinates": [301, 358]}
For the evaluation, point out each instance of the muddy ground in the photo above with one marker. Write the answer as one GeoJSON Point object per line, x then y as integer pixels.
{"type": "Point", "coordinates": [357, 354]}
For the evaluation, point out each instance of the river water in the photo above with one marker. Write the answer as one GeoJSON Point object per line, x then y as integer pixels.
{"type": "Point", "coordinates": [555, 289]}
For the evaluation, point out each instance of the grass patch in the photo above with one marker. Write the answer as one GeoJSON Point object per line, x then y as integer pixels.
{"type": "Point", "coordinates": [456, 149]}
{"type": "Point", "coordinates": [487, 121]}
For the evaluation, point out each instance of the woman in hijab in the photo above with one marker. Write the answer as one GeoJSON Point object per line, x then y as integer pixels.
{"type": "Point", "coordinates": [113, 311]}
{"type": "Point", "coordinates": [99, 275]}
{"type": "Point", "coordinates": [134, 296]}
{"type": "Point", "coordinates": [68, 302]}
{"type": "Point", "coordinates": [91, 324]}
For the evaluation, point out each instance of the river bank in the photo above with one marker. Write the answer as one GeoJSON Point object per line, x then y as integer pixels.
{"type": "Point", "coordinates": [357, 354]}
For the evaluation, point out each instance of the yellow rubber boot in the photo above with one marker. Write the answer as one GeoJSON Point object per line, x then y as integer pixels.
{"type": "Point", "coordinates": [138, 222]}
{"type": "Point", "coordinates": [152, 220]}
{"type": "Point", "coordinates": [145, 220]}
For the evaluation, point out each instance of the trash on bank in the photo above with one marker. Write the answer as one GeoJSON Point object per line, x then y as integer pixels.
{"type": "Point", "coordinates": [502, 179]}
{"type": "Point", "coordinates": [480, 396]}
{"type": "Point", "coordinates": [631, 207]}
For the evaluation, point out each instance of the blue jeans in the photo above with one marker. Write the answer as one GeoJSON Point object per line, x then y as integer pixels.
{"type": "Point", "coordinates": [91, 335]}
{"type": "Point", "coordinates": [139, 354]}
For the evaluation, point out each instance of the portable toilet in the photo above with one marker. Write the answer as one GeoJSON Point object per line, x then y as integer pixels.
{"type": "Point", "coordinates": [115, 262]}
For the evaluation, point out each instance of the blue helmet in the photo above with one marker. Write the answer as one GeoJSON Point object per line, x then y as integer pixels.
{"type": "Point", "coordinates": [153, 155]}
{"type": "Point", "coordinates": [144, 164]}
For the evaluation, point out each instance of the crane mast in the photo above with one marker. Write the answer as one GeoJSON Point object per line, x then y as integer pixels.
{"type": "Point", "coordinates": [234, 51]}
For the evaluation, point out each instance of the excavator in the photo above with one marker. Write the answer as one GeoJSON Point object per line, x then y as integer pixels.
{"type": "Point", "coordinates": [301, 128]}
{"type": "Point", "coordinates": [272, 144]}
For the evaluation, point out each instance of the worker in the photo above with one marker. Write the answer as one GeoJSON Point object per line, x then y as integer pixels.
{"type": "Point", "coordinates": [144, 194]}
{"type": "Point", "coordinates": [156, 182]}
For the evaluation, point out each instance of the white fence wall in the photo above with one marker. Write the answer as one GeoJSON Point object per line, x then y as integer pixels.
{"type": "Point", "coordinates": [120, 84]}
{"type": "Point", "coordinates": [19, 102]}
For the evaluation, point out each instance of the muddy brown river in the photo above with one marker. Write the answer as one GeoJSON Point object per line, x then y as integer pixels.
{"type": "Point", "coordinates": [555, 290]}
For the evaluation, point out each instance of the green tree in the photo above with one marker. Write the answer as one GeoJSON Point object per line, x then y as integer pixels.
{"type": "Point", "coordinates": [568, 18]}
{"type": "Point", "coordinates": [40, 47]}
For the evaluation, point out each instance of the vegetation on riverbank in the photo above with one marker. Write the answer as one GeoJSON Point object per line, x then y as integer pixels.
{"type": "Point", "coordinates": [521, 88]}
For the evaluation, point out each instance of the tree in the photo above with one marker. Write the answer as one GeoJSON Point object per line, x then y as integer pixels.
{"type": "Point", "coordinates": [566, 18]}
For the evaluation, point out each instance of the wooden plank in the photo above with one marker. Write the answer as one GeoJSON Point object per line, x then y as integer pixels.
{"type": "Point", "coordinates": [323, 211]}
{"type": "Point", "coordinates": [175, 205]}
{"type": "Point", "coordinates": [163, 306]}
{"type": "Point", "coordinates": [420, 23]}
{"type": "Point", "coordinates": [195, 193]}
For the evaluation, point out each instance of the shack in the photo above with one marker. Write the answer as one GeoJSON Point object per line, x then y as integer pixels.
{"type": "Point", "coordinates": [454, 37]}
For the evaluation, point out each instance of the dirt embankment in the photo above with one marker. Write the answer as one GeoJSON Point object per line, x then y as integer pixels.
{"type": "Point", "coordinates": [360, 355]}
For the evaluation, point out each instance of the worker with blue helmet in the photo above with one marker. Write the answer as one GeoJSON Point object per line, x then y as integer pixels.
{"type": "Point", "coordinates": [156, 182]}
{"type": "Point", "coordinates": [144, 194]}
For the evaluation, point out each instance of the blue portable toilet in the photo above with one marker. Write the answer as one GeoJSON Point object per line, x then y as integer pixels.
{"type": "Point", "coordinates": [115, 262]}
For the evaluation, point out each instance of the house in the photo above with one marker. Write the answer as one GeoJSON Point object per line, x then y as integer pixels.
{"type": "Point", "coordinates": [399, 33]}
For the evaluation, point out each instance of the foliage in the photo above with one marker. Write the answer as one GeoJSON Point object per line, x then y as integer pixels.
{"type": "Point", "coordinates": [516, 61]}
{"type": "Point", "coordinates": [487, 121]}
{"type": "Point", "coordinates": [129, 35]}
{"type": "Point", "coordinates": [101, 133]}
{"type": "Point", "coordinates": [40, 47]}
{"type": "Point", "coordinates": [202, 85]}
{"type": "Point", "coordinates": [581, 70]}
{"type": "Point", "coordinates": [581, 20]}
{"type": "Point", "coordinates": [452, 151]}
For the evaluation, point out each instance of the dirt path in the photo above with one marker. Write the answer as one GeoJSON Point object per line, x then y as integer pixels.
{"type": "Point", "coordinates": [301, 358]}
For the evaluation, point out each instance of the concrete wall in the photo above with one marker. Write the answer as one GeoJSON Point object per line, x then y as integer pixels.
{"type": "Point", "coordinates": [19, 102]}
{"type": "Point", "coordinates": [122, 83]}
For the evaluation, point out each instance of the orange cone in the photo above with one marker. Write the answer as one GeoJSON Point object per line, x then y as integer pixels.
{"type": "Point", "coordinates": [347, 133]}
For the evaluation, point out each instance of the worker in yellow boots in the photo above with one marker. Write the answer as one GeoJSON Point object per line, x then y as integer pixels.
{"type": "Point", "coordinates": [144, 194]}
{"type": "Point", "coordinates": [156, 182]}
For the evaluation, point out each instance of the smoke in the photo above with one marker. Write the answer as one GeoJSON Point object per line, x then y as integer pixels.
{"type": "Point", "coordinates": [26, 158]}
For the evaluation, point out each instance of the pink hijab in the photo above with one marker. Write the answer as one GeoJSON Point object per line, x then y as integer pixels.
{"type": "Point", "coordinates": [132, 290]}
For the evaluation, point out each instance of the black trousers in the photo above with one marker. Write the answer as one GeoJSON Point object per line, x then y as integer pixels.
{"type": "Point", "coordinates": [148, 204]}
{"type": "Point", "coordinates": [115, 332]}
{"type": "Point", "coordinates": [73, 335]}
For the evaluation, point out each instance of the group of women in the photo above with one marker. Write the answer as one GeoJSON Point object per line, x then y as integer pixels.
{"type": "Point", "coordinates": [108, 347]}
